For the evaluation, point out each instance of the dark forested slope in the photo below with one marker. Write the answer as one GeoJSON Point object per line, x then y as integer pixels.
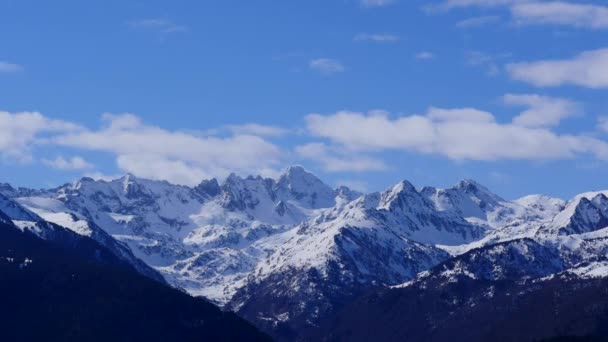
{"type": "Point", "coordinates": [50, 292]}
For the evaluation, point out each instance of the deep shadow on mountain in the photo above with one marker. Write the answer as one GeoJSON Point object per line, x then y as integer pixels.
{"type": "Point", "coordinates": [576, 339]}
{"type": "Point", "coordinates": [476, 310]}
{"type": "Point", "coordinates": [53, 293]}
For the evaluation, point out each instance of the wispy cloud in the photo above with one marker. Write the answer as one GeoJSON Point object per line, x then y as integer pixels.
{"type": "Point", "coordinates": [602, 123]}
{"type": "Point", "coordinates": [477, 21]}
{"type": "Point", "coordinates": [379, 38]}
{"type": "Point", "coordinates": [158, 25]}
{"type": "Point", "coordinates": [536, 12]}
{"type": "Point", "coordinates": [447, 5]}
{"type": "Point", "coordinates": [326, 66]}
{"type": "Point", "coordinates": [561, 13]}
{"type": "Point", "coordinates": [376, 3]}
{"type": "Point", "coordinates": [336, 160]}
{"type": "Point", "coordinates": [490, 62]}
{"type": "Point", "coordinates": [6, 67]}
{"type": "Point", "coordinates": [73, 163]}
{"type": "Point", "coordinates": [257, 129]}
{"type": "Point", "coordinates": [425, 55]}
{"type": "Point", "coordinates": [587, 69]}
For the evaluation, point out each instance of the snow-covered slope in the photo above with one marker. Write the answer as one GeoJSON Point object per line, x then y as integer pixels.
{"type": "Point", "coordinates": [586, 212]}
{"type": "Point", "coordinates": [205, 239]}
{"type": "Point", "coordinates": [391, 222]}
{"type": "Point", "coordinates": [471, 201]}
{"type": "Point", "coordinates": [286, 252]}
{"type": "Point", "coordinates": [52, 226]}
{"type": "Point", "coordinates": [378, 239]}
{"type": "Point", "coordinates": [516, 259]}
{"type": "Point", "coordinates": [478, 205]}
{"type": "Point", "coordinates": [16, 211]}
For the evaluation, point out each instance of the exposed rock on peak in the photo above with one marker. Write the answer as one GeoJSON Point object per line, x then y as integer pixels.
{"type": "Point", "coordinates": [298, 184]}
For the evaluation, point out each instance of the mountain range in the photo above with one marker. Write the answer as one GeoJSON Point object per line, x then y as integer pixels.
{"type": "Point", "coordinates": [60, 286]}
{"type": "Point", "coordinates": [302, 260]}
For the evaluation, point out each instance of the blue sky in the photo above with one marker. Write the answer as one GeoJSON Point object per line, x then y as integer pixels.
{"type": "Point", "coordinates": [364, 93]}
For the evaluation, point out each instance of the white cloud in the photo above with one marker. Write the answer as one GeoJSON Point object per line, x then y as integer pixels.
{"type": "Point", "coordinates": [6, 67]}
{"type": "Point", "coordinates": [565, 13]}
{"type": "Point", "coordinates": [334, 161]}
{"type": "Point", "coordinates": [141, 149]}
{"type": "Point", "coordinates": [477, 21]}
{"type": "Point", "coordinates": [179, 157]}
{"type": "Point", "coordinates": [425, 55]}
{"type": "Point", "coordinates": [73, 163]}
{"type": "Point", "coordinates": [464, 115]}
{"type": "Point", "coordinates": [542, 111]}
{"type": "Point", "coordinates": [159, 25]}
{"type": "Point", "coordinates": [376, 3]}
{"type": "Point", "coordinates": [561, 13]}
{"type": "Point", "coordinates": [102, 176]}
{"type": "Point", "coordinates": [378, 37]}
{"type": "Point", "coordinates": [154, 166]}
{"type": "Point", "coordinates": [257, 129]}
{"type": "Point", "coordinates": [453, 4]}
{"type": "Point", "coordinates": [372, 131]}
{"type": "Point", "coordinates": [20, 131]}
{"type": "Point", "coordinates": [459, 134]}
{"type": "Point", "coordinates": [326, 65]}
{"type": "Point", "coordinates": [602, 124]}
{"type": "Point", "coordinates": [588, 69]}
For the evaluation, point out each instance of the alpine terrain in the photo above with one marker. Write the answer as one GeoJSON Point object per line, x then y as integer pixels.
{"type": "Point", "coordinates": [302, 260]}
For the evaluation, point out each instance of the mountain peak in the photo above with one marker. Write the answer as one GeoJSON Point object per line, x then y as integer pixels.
{"type": "Point", "coordinates": [585, 213]}
{"type": "Point", "coordinates": [232, 178]}
{"type": "Point", "coordinates": [470, 186]}
{"type": "Point", "coordinates": [348, 193]}
{"type": "Point", "coordinates": [129, 177]}
{"type": "Point", "coordinates": [397, 194]}
{"type": "Point", "coordinates": [295, 170]}
{"type": "Point", "coordinates": [404, 185]}
{"type": "Point", "coordinates": [6, 187]}
{"type": "Point", "coordinates": [296, 173]}
{"type": "Point", "coordinates": [300, 184]}
{"type": "Point", "coordinates": [401, 187]}
{"type": "Point", "coordinates": [600, 199]}
{"type": "Point", "coordinates": [209, 187]}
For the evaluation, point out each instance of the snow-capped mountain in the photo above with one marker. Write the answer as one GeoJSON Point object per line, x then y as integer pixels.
{"type": "Point", "coordinates": [61, 286]}
{"type": "Point", "coordinates": [378, 239]}
{"type": "Point", "coordinates": [467, 300]}
{"type": "Point", "coordinates": [205, 239]}
{"type": "Point", "coordinates": [15, 211]}
{"type": "Point", "coordinates": [65, 229]}
{"type": "Point", "coordinates": [586, 212]}
{"type": "Point", "coordinates": [516, 259]}
{"type": "Point", "coordinates": [286, 253]}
